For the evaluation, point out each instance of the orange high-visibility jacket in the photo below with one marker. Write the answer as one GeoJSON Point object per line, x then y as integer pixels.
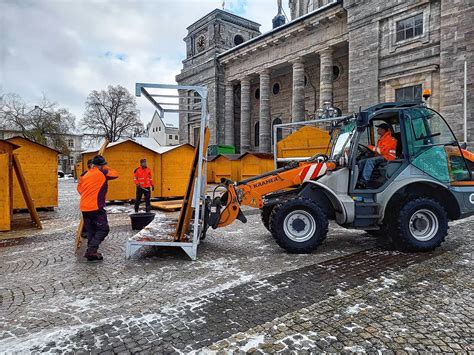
{"type": "Point", "coordinates": [93, 188]}
{"type": "Point", "coordinates": [386, 146]}
{"type": "Point", "coordinates": [142, 177]}
{"type": "Point", "coordinates": [468, 155]}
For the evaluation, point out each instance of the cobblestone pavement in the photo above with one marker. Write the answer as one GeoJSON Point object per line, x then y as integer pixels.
{"type": "Point", "coordinates": [243, 293]}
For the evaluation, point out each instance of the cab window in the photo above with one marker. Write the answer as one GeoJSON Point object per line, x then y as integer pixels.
{"type": "Point", "coordinates": [432, 147]}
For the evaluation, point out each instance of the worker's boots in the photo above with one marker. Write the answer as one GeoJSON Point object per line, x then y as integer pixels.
{"type": "Point", "coordinates": [93, 256]}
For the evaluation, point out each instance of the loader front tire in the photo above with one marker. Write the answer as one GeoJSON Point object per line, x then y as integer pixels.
{"type": "Point", "coordinates": [299, 226]}
{"type": "Point", "coordinates": [265, 213]}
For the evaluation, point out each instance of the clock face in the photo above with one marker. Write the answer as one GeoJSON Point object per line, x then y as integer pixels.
{"type": "Point", "coordinates": [201, 43]}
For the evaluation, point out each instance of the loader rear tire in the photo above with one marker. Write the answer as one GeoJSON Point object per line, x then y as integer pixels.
{"type": "Point", "coordinates": [422, 225]}
{"type": "Point", "coordinates": [299, 226]}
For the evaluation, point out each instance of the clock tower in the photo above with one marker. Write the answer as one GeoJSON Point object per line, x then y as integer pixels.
{"type": "Point", "coordinates": [211, 35]}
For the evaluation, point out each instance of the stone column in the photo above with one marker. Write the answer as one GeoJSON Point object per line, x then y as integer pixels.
{"type": "Point", "coordinates": [325, 81]}
{"type": "Point", "coordinates": [265, 145]}
{"type": "Point", "coordinates": [229, 114]}
{"type": "Point", "coordinates": [297, 112]}
{"type": "Point", "coordinates": [245, 128]}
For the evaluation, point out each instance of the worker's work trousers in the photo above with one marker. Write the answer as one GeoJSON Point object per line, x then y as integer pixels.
{"type": "Point", "coordinates": [97, 227]}
{"type": "Point", "coordinates": [367, 166]}
{"type": "Point", "coordinates": [138, 198]}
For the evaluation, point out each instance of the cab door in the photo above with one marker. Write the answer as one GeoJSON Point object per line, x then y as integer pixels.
{"type": "Point", "coordinates": [433, 148]}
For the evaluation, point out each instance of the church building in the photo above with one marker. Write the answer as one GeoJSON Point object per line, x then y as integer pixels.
{"type": "Point", "coordinates": [345, 53]}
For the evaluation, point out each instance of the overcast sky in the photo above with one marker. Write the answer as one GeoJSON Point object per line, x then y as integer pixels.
{"type": "Point", "coordinates": [66, 48]}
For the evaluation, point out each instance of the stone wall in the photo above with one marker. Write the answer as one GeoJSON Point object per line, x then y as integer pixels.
{"type": "Point", "coordinates": [457, 46]}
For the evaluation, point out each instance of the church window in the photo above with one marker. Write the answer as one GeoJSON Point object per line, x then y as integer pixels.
{"type": "Point", "coordinates": [238, 39]}
{"type": "Point", "coordinates": [257, 134]}
{"type": "Point", "coordinates": [257, 94]}
{"type": "Point", "coordinates": [276, 88]}
{"type": "Point", "coordinates": [197, 98]}
{"type": "Point", "coordinates": [279, 131]}
{"type": "Point", "coordinates": [410, 27]}
{"type": "Point", "coordinates": [336, 72]}
{"type": "Point", "coordinates": [409, 93]}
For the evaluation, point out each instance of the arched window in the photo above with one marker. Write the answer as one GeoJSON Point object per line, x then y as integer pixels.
{"type": "Point", "coordinates": [257, 134]}
{"type": "Point", "coordinates": [279, 132]}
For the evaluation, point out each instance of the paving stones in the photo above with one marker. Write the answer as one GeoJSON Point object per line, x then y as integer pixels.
{"type": "Point", "coordinates": [243, 294]}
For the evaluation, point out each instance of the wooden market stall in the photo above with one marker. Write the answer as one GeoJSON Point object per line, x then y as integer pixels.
{"type": "Point", "coordinates": [253, 163]}
{"type": "Point", "coordinates": [225, 166]}
{"type": "Point", "coordinates": [78, 170]}
{"type": "Point", "coordinates": [175, 165]}
{"type": "Point", "coordinates": [170, 167]}
{"type": "Point", "coordinates": [303, 143]}
{"type": "Point", "coordinates": [40, 169]}
{"type": "Point", "coordinates": [124, 156]}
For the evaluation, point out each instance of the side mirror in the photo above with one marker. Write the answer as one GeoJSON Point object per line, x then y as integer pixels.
{"type": "Point", "coordinates": [362, 119]}
{"type": "Point", "coordinates": [463, 145]}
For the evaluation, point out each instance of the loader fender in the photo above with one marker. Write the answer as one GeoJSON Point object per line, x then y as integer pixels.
{"type": "Point", "coordinates": [326, 199]}
{"type": "Point", "coordinates": [431, 188]}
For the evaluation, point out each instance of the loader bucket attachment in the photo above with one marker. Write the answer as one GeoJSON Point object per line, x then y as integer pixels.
{"type": "Point", "coordinates": [225, 209]}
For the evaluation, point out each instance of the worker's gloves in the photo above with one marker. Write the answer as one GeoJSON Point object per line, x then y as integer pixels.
{"type": "Point", "coordinates": [152, 188]}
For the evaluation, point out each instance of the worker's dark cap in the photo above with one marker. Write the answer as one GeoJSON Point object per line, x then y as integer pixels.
{"type": "Point", "coordinates": [98, 160]}
{"type": "Point", "coordinates": [142, 160]}
{"type": "Point", "coordinates": [384, 126]}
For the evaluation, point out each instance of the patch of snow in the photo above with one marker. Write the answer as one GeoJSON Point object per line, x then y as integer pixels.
{"type": "Point", "coordinates": [253, 342]}
{"type": "Point", "coordinates": [357, 308]}
{"type": "Point", "coordinates": [355, 349]}
{"type": "Point", "coordinates": [352, 326]}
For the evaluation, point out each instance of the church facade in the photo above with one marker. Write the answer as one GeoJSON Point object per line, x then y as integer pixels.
{"type": "Point", "coordinates": [348, 53]}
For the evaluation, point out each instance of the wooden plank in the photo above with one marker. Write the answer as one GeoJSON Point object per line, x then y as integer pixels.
{"type": "Point", "coordinates": [168, 206]}
{"type": "Point", "coordinates": [5, 192]}
{"type": "Point", "coordinates": [186, 208]}
{"type": "Point", "coordinates": [26, 193]}
{"type": "Point", "coordinates": [78, 240]}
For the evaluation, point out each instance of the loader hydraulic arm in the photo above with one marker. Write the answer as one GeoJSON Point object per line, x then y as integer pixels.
{"type": "Point", "coordinates": [226, 209]}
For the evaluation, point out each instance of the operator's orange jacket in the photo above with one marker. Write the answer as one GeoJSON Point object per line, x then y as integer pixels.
{"type": "Point", "coordinates": [142, 177]}
{"type": "Point", "coordinates": [93, 187]}
{"type": "Point", "coordinates": [386, 146]}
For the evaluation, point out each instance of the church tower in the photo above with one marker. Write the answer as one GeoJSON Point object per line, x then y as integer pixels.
{"type": "Point", "coordinates": [211, 35]}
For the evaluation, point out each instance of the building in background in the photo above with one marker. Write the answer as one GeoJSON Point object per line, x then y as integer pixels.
{"type": "Point", "coordinates": [349, 53]}
{"type": "Point", "coordinates": [164, 133]}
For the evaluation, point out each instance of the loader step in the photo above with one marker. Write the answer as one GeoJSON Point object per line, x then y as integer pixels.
{"type": "Point", "coordinates": [368, 216]}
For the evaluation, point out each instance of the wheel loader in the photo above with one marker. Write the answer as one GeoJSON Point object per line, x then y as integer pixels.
{"type": "Point", "coordinates": [410, 198]}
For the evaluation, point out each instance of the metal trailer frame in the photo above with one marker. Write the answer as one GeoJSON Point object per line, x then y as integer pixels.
{"type": "Point", "coordinates": [199, 195]}
{"type": "Point", "coordinates": [292, 125]}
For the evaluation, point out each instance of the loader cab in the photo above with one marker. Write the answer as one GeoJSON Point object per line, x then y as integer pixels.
{"type": "Point", "coordinates": [423, 139]}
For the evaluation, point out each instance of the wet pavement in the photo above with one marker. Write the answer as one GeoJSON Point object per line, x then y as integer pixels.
{"type": "Point", "coordinates": [243, 294]}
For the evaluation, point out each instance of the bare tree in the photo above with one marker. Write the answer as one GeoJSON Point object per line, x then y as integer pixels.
{"type": "Point", "coordinates": [112, 113]}
{"type": "Point", "coordinates": [44, 123]}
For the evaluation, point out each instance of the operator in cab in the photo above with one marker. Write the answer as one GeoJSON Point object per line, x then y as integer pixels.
{"type": "Point", "coordinates": [384, 150]}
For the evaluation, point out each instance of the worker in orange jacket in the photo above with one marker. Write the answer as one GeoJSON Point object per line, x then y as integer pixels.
{"type": "Point", "coordinates": [93, 189]}
{"type": "Point", "coordinates": [144, 183]}
{"type": "Point", "coordinates": [384, 150]}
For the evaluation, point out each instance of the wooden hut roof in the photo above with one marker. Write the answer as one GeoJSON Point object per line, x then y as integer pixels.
{"type": "Point", "coordinates": [13, 145]}
{"type": "Point", "coordinates": [258, 155]}
{"type": "Point", "coordinates": [146, 142]}
{"type": "Point", "coordinates": [29, 140]}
